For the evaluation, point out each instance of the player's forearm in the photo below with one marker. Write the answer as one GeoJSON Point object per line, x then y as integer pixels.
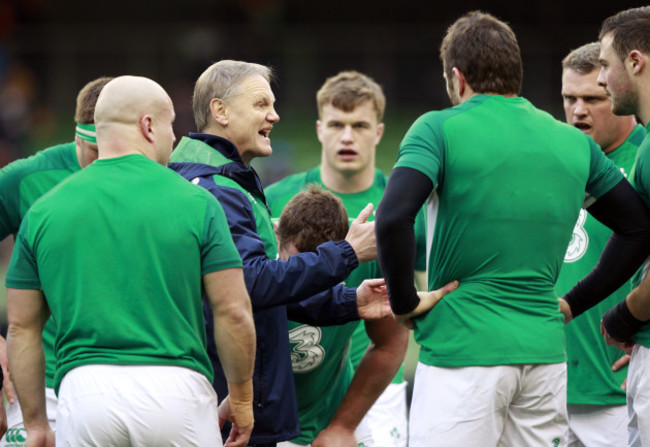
{"type": "Point", "coordinates": [235, 339]}
{"type": "Point", "coordinates": [234, 328]}
{"type": "Point", "coordinates": [375, 372]}
{"type": "Point", "coordinates": [234, 335]}
{"type": "Point", "coordinates": [405, 193]}
{"type": "Point", "coordinates": [27, 360]}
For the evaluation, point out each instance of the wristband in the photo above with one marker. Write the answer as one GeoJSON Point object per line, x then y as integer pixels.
{"type": "Point", "coordinates": [620, 324]}
{"type": "Point", "coordinates": [240, 397]}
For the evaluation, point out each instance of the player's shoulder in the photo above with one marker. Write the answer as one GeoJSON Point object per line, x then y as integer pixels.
{"type": "Point", "coordinates": [288, 185]}
{"type": "Point", "coordinates": [434, 121]}
{"type": "Point", "coordinates": [59, 157]}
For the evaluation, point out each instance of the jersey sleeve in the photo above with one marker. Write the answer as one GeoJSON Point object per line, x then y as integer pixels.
{"type": "Point", "coordinates": [603, 173]}
{"type": "Point", "coordinates": [23, 271]}
{"type": "Point", "coordinates": [423, 147]}
{"type": "Point", "coordinates": [218, 251]}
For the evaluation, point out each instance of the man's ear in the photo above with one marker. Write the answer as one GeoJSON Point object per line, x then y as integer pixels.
{"type": "Point", "coordinates": [219, 111]}
{"type": "Point", "coordinates": [637, 61]}
{"type": "Point", "coordinates": [460, 81]}
{"type": "Point", "coordinates": [146, 127]}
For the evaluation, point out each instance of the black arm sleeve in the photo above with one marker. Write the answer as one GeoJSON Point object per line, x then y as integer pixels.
{"type": "Point", "coordinates": [406, 192]}
{"type": "Point", "coordinates": [622, 210]}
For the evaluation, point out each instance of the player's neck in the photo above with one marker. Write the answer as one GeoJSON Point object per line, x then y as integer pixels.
{"type": "Point", "coordinates": [644, 100]}
{"type": "Point", "coordinates": [347, 182]}
{"type": "Point", "coordinates": [621, 138]}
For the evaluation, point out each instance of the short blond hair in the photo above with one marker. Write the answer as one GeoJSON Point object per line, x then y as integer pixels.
{"type": "Point", "coordinates": [348, 89]}
{"type": "Point", "coordinates": [583, 59]}
{"type": "Point", "coordinates": [222, 80]}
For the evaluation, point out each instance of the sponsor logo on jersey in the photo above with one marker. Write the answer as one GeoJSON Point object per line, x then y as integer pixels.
{"type": "Point", "coordinates": [579, 239]}
{"type": "Point", "coordinates": [306, 352]}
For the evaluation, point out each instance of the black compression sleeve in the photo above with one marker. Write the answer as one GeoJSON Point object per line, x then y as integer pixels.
{"type": "Point", "coordinates": [622, 210]}
{"type": "Point", "coordinates": [406, 192]}
{"type": "Point", "coordinates": [620, 324]}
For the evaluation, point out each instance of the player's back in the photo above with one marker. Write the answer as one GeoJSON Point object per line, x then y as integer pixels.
{"type": "Point", "coordinates": [510, 183]}
{"type": "Point", "coordinates": [119, 249]}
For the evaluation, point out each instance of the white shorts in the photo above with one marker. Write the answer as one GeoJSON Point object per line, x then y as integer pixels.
{"type": "Point", "coordinates": [117, 405]}
{"type": "Point", "coordinates": [16, 433]}
{"type": "Point", "coordinates": [597, 426]}
{"type": "Point", "coordinates": [385, 424]}
{"type": "Point", "coordinates": [638, 397]}
{"type": "Point", "coordinates": [478, 406]}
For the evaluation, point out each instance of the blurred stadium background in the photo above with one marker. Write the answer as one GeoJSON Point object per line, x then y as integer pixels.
{"type": "Point", "coordinates": [50, 49]}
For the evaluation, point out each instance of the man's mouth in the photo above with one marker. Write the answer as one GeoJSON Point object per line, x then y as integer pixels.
{"type": "Point", "coordinates": [265, 133]}
{"type": "Point", "coordinates": [583, 127]}
{"type": "Point", "coordinates": [346, 153]}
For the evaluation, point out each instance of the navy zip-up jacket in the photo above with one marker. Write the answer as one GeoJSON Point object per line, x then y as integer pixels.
{"type": "Point", "coordinates": [306, 288]}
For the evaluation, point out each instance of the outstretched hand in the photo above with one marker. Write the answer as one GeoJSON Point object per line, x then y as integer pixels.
{"type": "Point", "coordinates": [427, 302]}
{"type": "Point", "coordinates": [372, 299]}
{"type": "Point", "coordinates": [238, 436]}
{"type": "Point", "coordinates": [361, 236]}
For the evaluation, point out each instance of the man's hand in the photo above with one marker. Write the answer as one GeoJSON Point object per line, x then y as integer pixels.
{"type": "Point", "coordinates": [566, 310]}
{"type": "Point", "coordinates": [427, 301]}
{"type": "Point", "coordinates": [224, 411]}
{"type": "Point", "coordinates": [40, 437]}
{"type": "Point", "coordinates": [332, 436]}
{"type": "Point", "coordinates": [372, 300]}
{"type": "Point", "coordinates": [238, 436]}
{"type": "Point", "coordinates": [618, 364]}
{"type": "Point", "coordinates": [626, 346]}
{"type": "Point", "coordinates": [361, 236]}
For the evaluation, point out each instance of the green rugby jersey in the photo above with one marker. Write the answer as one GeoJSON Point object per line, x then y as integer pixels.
{"type": "Point", "coordinates": [591, 380]}
{"type": "Point", "coordinates": [509, 183]}
{"type": "Point", "coordinates": [322, 358]}
{"type": "Point", "coordinates": [641, 182]}
{"type": "Point", "coordinates": [126, 287]}
{"type": "Point", "coordinates": [21, 184]}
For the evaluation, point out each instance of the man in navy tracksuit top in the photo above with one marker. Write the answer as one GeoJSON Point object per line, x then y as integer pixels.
{"type": "Point", "coordinates": [233, 108]}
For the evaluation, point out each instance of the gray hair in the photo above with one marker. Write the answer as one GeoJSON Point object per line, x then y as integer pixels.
{"type": "Point", "coordinates": [222, 80]}
{"type": "Point", "coordinates": [583, 59]}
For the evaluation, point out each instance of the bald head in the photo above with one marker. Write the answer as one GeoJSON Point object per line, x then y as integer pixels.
{"type": "Point", "coordinates": [134, 115]}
